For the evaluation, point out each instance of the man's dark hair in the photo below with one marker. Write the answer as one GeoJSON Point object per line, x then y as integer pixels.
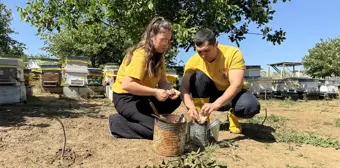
{"type": "Point", "coordinates": [204, 35]}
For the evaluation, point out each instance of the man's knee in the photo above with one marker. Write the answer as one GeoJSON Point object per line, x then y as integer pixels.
{"type": "Point", "coordinates": [247, 105]}
{"type": "Point", "coordinates": [199, 77]}
{"type": "Point", "coordinates": [201, 85]}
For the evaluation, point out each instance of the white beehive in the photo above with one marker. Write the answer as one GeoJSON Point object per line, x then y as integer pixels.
{"type": "Point", "coordinates": [252, 71]}
{"type": "Point", "coordinates": [11, 71]}
{"type": "Point", "coordinates": [12, 94]}
{"type": "Point", "coordinates": [76, 71]}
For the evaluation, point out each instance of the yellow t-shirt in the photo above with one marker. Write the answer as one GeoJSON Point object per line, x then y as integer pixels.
{"type": "Point", "coordinates": [228, 58]}
{"type": "Point", "coordinates": [136, 69]}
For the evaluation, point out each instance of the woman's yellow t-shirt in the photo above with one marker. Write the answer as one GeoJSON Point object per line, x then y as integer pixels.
{"type": "Point", "coordinates": [136, 69]}
{"type": "Point", "coordinates": [228, 58]}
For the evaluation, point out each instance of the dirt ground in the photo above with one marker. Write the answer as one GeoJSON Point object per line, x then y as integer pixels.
{"type": "Point", "coordinates": [31, 137]}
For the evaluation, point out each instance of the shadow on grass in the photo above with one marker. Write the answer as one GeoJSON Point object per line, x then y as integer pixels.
{"type": "Point", "coordinates": [46, 107]}
{"type": "Point", "coordinates": [257, 132]}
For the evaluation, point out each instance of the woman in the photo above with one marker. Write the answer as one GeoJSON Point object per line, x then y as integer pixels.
{"type": "Point", "coordinates": [142, 69]}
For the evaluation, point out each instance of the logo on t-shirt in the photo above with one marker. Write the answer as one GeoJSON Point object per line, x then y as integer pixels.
{"type": "Point", "coordinates": [223, 73]}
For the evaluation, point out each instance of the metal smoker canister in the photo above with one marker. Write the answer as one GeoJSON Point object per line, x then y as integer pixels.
{"type": "Point", "coordinates": [199, 134]}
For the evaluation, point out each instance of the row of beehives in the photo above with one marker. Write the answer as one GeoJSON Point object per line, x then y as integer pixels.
{"type": "Point", "coordinates": [75, 72]}
{"type": "Point", "coordinates": [76, 79]}
{"type": "Point", "coordinates": [294, 88]}
{"type": "Point", "coordinates": [13, 86]}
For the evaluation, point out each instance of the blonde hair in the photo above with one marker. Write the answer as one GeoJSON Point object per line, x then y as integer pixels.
{"type": "Point", "coordinates": [154, 62]}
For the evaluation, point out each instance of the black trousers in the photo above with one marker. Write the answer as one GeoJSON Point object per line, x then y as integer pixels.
{"type": "Point", "coordinates": [244, 104]}
{"type": "Point", "coordinates": [134, 119]}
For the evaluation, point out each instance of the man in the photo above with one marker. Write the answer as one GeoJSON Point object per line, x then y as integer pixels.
{"type": "Point", "coordinates": [213, 80]}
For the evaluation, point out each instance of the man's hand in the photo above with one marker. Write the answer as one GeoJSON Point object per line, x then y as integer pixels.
{"type": "Point", "coordinates": [207, 108]}
{"type": "Point", "coordinates": [192, 112]}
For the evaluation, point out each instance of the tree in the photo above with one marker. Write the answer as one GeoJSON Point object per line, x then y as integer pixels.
{"type": "Point", "coordinates": [8, 46]}
{"type": "Point", "coordinates": [128, 18]}
{"type": "Point", "coordinates": [99, 44]}
{"type": "Point", "coordinates": [324, 59]}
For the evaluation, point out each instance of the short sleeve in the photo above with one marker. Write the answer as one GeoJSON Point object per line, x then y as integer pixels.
{"type": "Point", "coordinates": [237, 61]}
{"type": "Point", "coordinates": [189, 67]}
{"type": "Point", "coordinates": [136, 68]}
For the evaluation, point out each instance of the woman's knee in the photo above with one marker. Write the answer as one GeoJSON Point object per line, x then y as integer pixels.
{"type": "Point", "coordinates": [178, 102]}
{"type": "Point", "coordinates": [172, 105]}
{"type": "Point", "coordinates": [247, 106]}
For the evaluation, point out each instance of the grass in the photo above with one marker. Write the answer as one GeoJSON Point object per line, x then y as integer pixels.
{"type": "Point", "coordinates": [192, 159]}
{"type": "Point", "coordinates": [337, 122]}
{"type": "Point", "coordinates": [283, 134]}
{"type": "Point", "coordinates": [324, 110]}
{"type": "Point", "coordinates": [197, 158]}
{"type": "Point", "coordinates": [287, 102]}
{"type": "Point", "coordinates": [107, 101]}
{"type": "Point", "coordinates": [290, 148]}
{"type": "Point", "coordinates": [273, 120]}
{"type": "Point", "coordinates": [290, 166]}
{"type": "Point", "coordinates": [266, 145]}
{"type": "Point", "coordinates": [289, 136]}
{"type": "Point", "coordinates": [307, 138]}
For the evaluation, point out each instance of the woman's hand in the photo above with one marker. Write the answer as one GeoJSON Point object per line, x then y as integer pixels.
{"type": "Point", "coordinates": [161, 94]}
{"type": "Point", "coordinates": [173, 94]}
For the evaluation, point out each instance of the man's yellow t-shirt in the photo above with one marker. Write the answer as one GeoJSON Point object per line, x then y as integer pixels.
{"type": "Point", "coordinates": [136, 69]}
{"type": "Point", "coordinates": [228, 58]}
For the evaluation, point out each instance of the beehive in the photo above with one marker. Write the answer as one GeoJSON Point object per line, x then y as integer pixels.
{"type": "Point", "coordinates": [76, 71]}
{"type": "Point", "coordinates": [95, 77]}
{"type": "Point", "coordinates": [110, 72]}
{"type": "Point", "coordinates": [11, 71]}
{"type": "Point", "coordinates": [51, 75]}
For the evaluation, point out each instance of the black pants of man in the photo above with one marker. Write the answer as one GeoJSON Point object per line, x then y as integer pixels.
{"type": "Point", "coordinates": [244, 104]}
{"type": "Point", "coordinates": [134, 119]}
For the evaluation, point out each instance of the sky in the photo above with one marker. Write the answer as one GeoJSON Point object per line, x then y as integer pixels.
{"type": "Point", "coordinates": [305, 23]}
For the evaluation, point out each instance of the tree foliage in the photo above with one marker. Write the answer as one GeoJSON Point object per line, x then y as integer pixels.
{"type": "Point", "coordinates": [9, 47]}
{"type": "Point", "coordinates": [324, 59]}
{"type": "Point", "coordinates": [124, 21]}
{"type": "Point", "coordinates": [99, 44]}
